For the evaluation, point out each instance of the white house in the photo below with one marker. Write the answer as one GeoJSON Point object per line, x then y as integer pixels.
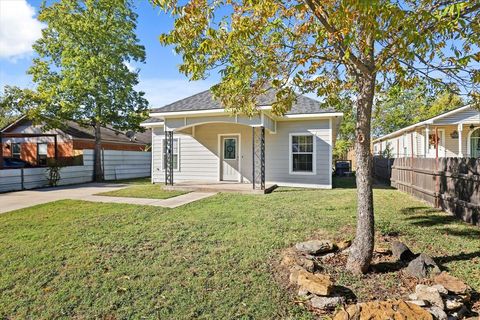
{"type": "Point", "coordinates": [197, 140]}
{"type": "Point", "coordinates": [452, 134]}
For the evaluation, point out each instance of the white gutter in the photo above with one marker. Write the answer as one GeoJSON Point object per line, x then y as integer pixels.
{"type": "Point", "coordinates": [152, 124]}
{"type": "Point", "coordinates": [413, 126]}
{"type": "Point", "coordinates": [312, 115]}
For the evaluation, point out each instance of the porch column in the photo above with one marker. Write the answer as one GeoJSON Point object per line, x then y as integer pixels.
{"type": "Point", "coordinates": [427, 140]}
{"type": "Point", "coordinates": [258, 158]}
{"type": "Point", "coordinates": [168, 157]}
{"type": "Point", "coordinates": [460, 142]}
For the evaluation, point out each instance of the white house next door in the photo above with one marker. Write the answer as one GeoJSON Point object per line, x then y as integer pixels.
{"type": "Point", "coordinates": [229, 158]}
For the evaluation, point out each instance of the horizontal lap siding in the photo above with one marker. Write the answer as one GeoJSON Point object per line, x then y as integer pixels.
{"type": "Point", "coordinates": [196, 161]}
{"type": "Point", "coordinates": [199, 154]}
{"type": "Point", "coordinates": [277, 152]}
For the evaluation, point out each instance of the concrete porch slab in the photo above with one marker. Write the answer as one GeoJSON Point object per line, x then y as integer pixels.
{"type": "Point", "coordinates": [221, 186]}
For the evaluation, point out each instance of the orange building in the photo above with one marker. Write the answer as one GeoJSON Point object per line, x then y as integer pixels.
{"type": "Point", "coordinates": [32, 143]}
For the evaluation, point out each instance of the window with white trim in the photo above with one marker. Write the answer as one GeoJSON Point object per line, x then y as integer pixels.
{"type": "Point", "coordinates": [302, 150]}
{"type": "Point", "coordinates": [16, 150]}
{"type": "Point", "coordinates": [176, 152]}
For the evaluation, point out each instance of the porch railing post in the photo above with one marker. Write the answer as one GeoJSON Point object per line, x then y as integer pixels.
{"type": "Point", "coordinates": [171, 158]}
{"type": "Point", "coordinates": [168, 157]}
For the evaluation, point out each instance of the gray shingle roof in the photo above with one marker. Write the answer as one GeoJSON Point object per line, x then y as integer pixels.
{"type": "Point", "coordinates": [205, 101]}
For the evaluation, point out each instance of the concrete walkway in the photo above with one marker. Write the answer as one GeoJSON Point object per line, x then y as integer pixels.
{"type": "Point", "coordinates": [167, 203]}
{"type": "Point", "coordinates": [23, 199]}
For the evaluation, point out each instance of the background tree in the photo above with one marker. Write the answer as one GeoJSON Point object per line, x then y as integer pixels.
{"type": "Point", "coordinates": [335, 48]}
{"type": "Point", "coordinates": [12, 104]}
{"type": "Point", "coordinates": [346, 131]}
{"type": "Point", "coordinates": [400, 107]}
{"type": "Point", "coordinates": [80, 69]}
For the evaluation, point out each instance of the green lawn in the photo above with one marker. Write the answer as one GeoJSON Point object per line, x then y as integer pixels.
{"type": "Point", "coordinates": [142, 188]}
{"type": "Point", "coordinates": [210, 259]}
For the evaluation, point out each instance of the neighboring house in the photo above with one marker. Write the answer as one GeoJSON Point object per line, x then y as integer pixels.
{"type": "Point", "coordinates": [456, 134]}
{"type": "Point", "coordinates": [210, 144]}
{"type": "Point", "coordinates": [24, 140]}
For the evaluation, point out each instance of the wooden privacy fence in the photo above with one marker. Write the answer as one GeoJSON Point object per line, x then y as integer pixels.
{"type": "Point", "coordinates": [452, 184]}
{"type": "Point", "coordinates": [117, 165]}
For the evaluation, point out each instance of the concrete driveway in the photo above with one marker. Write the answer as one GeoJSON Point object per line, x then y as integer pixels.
{"type": "Point", "coordinates": [28, 198]}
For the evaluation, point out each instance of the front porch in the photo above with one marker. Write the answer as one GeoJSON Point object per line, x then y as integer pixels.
{"type": "Point", "coordinates": [220, 186]}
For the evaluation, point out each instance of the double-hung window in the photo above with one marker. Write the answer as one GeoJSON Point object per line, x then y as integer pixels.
{"type": "Point", "coordinates": [16, 150]}
{"type": "Point", "coordinates": [302, 153]}
{"type": "Point", "coordinates": [176, 151]}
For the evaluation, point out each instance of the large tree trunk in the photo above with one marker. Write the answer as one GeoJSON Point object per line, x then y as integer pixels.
{"type": "Point", "coordinates": [362, 248]}
{"type": "Point", "coordinates": [98, 170]}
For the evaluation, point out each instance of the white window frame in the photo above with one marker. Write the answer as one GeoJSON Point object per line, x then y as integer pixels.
{"type": "Point", "coordinates": [314, 154]}
{"type": "Point", "coordinates": [19, 151]}
{"type": "Point", "coordinates": [162, 164]}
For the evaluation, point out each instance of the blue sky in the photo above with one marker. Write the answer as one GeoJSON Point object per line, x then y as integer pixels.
{"type": "Point", "coordinates": [159, 76]}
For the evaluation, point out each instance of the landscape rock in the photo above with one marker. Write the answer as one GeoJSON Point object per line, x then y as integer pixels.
{"type": "Point", "coordinates": [382, 250]}
{"type": "Point", "coordinates": [429, 294]}
{"type": "Point", "coordinates": [453, 302]}
{"type": "Point", "coordinates": [326, 302]}
{"type": "Point", "coordinates": [462, 313]}
{"type": "Point", "coordinates": [451, 283]}
{"type": "Point", "coordinates": [328, 256]}
{"type": "Point", "coordinates": [420, 303]}
{"type": "Point", "coordinates": [401, 252]}
{"type": "Point", "coordinates": [303, 293]}
{"type": "Point", "coordinates": [342, 245]}
{"type": "Point", "coordinates": [315, 246]}
{"type": "Point", "coordinates": [422, 267]}
{"type": "Point", "coordinates": [318, 284]}
{"type": "Point", "coordinates": [291, 259]}
{"type": "Point", "coordinates": [294, 272]}
{"type": "Point", "coordinates": [383, 310]}
{"type": "Point", "coordinates": [437, 313]}
{"type": "Point", "coordinates": [441, 289]}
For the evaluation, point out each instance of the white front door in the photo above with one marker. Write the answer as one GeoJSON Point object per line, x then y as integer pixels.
{"type": "Point", "coordinates": [229, 158]}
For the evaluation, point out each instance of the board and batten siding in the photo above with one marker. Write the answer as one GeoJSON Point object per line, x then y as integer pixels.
{"type": "Point", "coordinates": [199, 150]}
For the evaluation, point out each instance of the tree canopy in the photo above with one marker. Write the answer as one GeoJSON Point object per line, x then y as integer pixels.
{"type": "Point", "coordinates": [338, 49]}
{"type": "Point", "coordinates": [399, 108]}
{"type": "Point", "coordinates": [80, 68]}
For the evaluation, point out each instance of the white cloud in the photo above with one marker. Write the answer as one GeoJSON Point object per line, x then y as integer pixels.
{"type": "Point", "coordinates": [18, 28]}
{"type": "Point", "coordinates": [162, 91]}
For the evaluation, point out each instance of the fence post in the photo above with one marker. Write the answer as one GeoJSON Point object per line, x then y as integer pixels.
{"type": "Point", "coordinates": [22, 178]}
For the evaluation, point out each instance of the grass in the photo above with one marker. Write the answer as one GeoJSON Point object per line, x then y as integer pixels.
{"type": "Point", "coordinates": [209, 259]}
{"type": "Point", "coordinates": [142, 188]}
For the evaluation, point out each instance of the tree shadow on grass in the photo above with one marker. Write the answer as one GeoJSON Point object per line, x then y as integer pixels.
{"type": "Point", "coordinates": [387, 267]}
{"type": "Point", "coordinates": [456, 257]}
